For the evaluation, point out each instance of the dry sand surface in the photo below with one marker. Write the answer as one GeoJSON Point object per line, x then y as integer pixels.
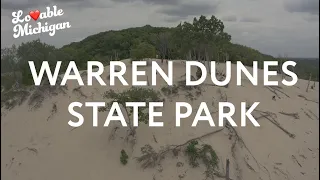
{"type": "Point", "coordinates": [39, 144]}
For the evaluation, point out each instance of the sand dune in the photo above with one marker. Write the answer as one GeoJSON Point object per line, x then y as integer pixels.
{"type": "Point", "coordinates": [40, 145]}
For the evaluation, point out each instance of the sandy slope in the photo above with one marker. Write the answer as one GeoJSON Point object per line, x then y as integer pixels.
{"type": "Point", "coordinates": [59, 152]}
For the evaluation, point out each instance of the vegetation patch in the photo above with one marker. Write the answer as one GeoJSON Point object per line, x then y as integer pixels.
{"type": "Point", "coordinates": [124, 157]}
{"type": "Point", "coordinates": [44, 91]}
{"type": "Point", "coordinates": [12, 98]}
{"type": "Point", "coordinates": [170, 91]}
{"type": "Point", "coordinates": [134, 94]}
{"type": "Point", "coordinates": [192, 153]}
{"type": "Point", "coordinates": [141, 51]}
{"type": "Point", "coordinates": [195, 153]}
{"type": "Point", "coordinates": [204, 153]}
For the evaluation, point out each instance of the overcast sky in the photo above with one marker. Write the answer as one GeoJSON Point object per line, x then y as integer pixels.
{"type": "Point", "coordinates": [271, 26]}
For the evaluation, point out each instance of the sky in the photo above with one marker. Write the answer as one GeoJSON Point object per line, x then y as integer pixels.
{"type": "Point", "coordinates": [274, 27]}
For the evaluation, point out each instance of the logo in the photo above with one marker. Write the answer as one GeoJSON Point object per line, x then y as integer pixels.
{"type": "Point", "coordinates": [34, 14]}
{"type": "Point", "coordinates": [23, 28]}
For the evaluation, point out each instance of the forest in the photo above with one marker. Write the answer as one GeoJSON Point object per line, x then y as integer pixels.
{"type": "Point", "coordinates": [204, 39]}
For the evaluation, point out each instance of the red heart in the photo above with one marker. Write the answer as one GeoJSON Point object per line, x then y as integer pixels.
{"type": "Point", "coordinates": [34, 14]}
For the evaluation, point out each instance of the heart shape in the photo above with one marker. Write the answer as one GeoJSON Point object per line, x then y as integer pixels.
{"type": "Point", "coordinates": [34, 14]}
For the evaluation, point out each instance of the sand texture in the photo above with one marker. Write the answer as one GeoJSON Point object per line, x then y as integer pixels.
{"type": "Point", "coordinates": [38, 144]}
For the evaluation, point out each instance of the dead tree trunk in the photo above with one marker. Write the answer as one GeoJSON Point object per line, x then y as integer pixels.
{"type": "Point", "coordinates": [227, 170]}
{"type": "Point", "coordinates": [218, 56]}
{"type": "Point", "coordinates": [227, 57]}
{"type": "Point", "coordinates": [280, 68]}
{"type": "Point", "coordinates": [115, 55]}
{"type": "Point", "coordinates": [207, 61]}
{"type": "Point", "coordinates": [308, 83]}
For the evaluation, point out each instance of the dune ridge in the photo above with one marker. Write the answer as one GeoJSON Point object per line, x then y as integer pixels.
{"type": "Point", "coordinates": [37, 142]}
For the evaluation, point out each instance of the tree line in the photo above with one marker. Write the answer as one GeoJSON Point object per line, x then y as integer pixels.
{"type": "Point", "coordinates": [203, 39]}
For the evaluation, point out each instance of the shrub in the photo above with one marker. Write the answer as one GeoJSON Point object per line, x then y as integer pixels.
{"type": "Point", "coordinates": [192, 153]}
{"type": "Point", "coordinates": [134, 94]}
{"type": "Point", "coordinates": [205, 153]}
{"type": "Point", "coordinates": [170, 90]}
{"type": "Point", "coordinates": [12, 98]}
{"type": "Point", "coordinates": [124, 157]}
{"type": "Point", "coordinates": [212, 159]}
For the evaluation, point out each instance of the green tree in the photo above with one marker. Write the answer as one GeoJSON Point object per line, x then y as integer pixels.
{"type": "Point", "coordinates": [142, 51]}
{"type": "Point", "coordinates": [9, 59]}
{"type": "Point", "coordinates": [37, 52]}
{"type": "Point", "coordinates": [162, 42]}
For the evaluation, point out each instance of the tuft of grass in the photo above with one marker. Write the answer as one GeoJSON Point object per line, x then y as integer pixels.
{"type": "Point", "coordinates": [204, 153]}
{"type": "Point", "coordinates": [102, 109]}
{"type": "Point", "coordinates": [193, 153]}
{"type": "Point", "coordinates": [190, 96]}
{"type": "Point", "coordinates": [209, 156]}
{"type": "Point", "coordinates": [170, 90]}
{"type": "Point", "coordinates": [149, 157]}
{"type": "Point", "coordinates": [124, 157]}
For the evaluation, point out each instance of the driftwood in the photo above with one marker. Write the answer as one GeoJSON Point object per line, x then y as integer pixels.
{"type": "Point", "coordinates": [296, 160]}
{"type": "Point", "coordinates": [78, 91]}
{"type": "Point", "coordinates": [302, 96]}
{"type": "Point", "coordinates": [307, 114]}
{"type": "Point", "coordinates": [276, 123]}
{"type": "Point", "coordinates": [30, 149]}
{"type": "Point", "coordinates": [272, 118]}
{"type": "Point", "coordinates": [278, 170]}
{"type": "Point", "coordinates": [313, 114]}
{"type": "Point", "coordinates": [296, 86]}
{"type": "Point", "coordinates": [53, 111]}
{"type": "Point", "coordinates": [275, 89]}
{"type": "Point", "coordinates": [274, 92]}
{"type": "Point", "coordinates": [294, 115]}
{"type": "Point", "coordinates": [238, 140]}
{"type": "Point", "coordinates": [154, 138]}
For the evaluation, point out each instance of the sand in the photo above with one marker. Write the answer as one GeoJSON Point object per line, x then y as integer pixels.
{"type": "Point", "coordinates": [37, 146]}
